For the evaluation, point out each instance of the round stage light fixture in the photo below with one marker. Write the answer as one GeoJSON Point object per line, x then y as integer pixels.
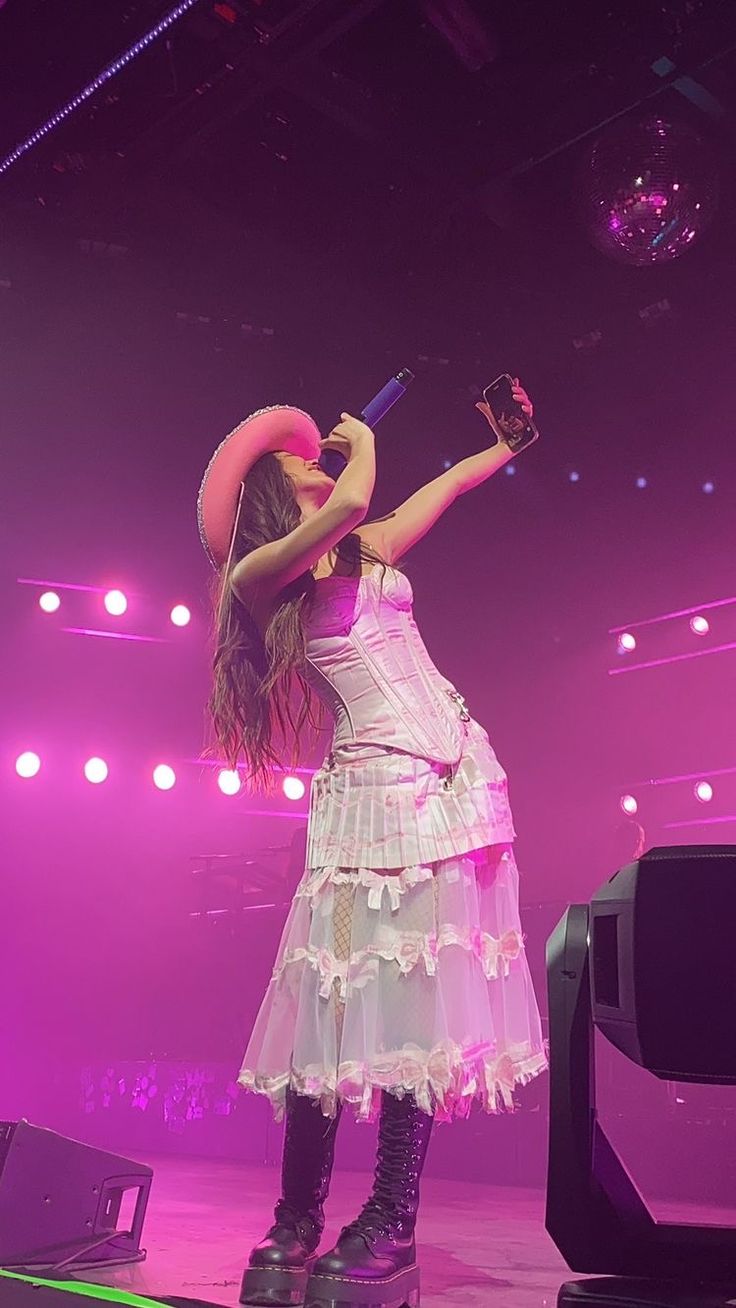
{"type": "Point", "coordinates": [574, 476]}
{"type": "Point", "coordinates": [709, 487]}
{"type": "Point", "coordinates": [115, 603]}
{"type": "Point", "coordinates": [641, 483]}
{"type": "Point", "coordinates": [28, 764]}
{"type": "Point", "coordinates": [164, 777]}
{"type": "Point", "coordinates": [293, 787]}
{"type": "Point", "coordinates": [229, 781]}
{"type": "Point", "coordinates": [96, 770]}
{"type": "Point", "coordinates": [629, 805]}
{"type": "Point", "coordinates": [180, 615]}
{"type": "Point", "coordinates": [704, 792]}
{"type": "Point", "coordinates": [626, 643]}
{"type": "Point", "coordinates": [49, 601]}
{"type": "Point", "coordinates": [699, 626]}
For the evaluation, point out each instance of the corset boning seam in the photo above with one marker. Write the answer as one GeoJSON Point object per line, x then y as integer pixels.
{"type": "Point", "coordinates": [429, 685]}
{"type": "Point", "coordinates": [400, 704]}
{"type": "Point", "coordinates": [333, 695]}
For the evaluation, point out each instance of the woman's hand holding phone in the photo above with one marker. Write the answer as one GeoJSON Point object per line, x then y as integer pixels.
{"type": "Point", "coordinates": [509, 411]}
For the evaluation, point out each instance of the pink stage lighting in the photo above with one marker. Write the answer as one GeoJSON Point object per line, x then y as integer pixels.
{"type": "Point", "coordinates": [699, 626]}
{"type": "Point", "coordinates": [164, 777]}
{"type": "Point", "coordinates": [49, 601]}
{"type": "Point", "coordinates": [228, 781]}
{"type": "Point", "coordinates": [27, 764]}
{"type": "Point", "coordinates": [704, 792]}
{"type": "Point", "coordinates": [180, 615]}
{"type": "Point", "coordinates": [293, 787]}
{"type": "Point", "coordinates": [629, 805]}
{"type": "Point", "coordinates": [626, 643]}
{"type": "Point", "coordinates": [115, 603]}
{"type": "Point", "coordinates": [96, 770]}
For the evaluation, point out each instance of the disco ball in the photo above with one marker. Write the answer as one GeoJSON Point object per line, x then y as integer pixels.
{"type": "Point", "coordinates": [647, 190]}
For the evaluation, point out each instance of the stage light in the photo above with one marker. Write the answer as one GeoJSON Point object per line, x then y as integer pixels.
{"type": "Point", "coordinates": [228, 781]}
{"type": "Point", "coordinates": [510, 469]}
{"type": "Point", "coordinates": [574, 476]}
{"type": "Point", "coordinates": [96, 770]}
{"type": "Point", "coordinates": [641, 483]}
{"type": "Point", "coordinates": [49, 601]}
{"type": "Point", "coordinates": [629, 805]}
{"type": "Point", "coordinates": [164, 777]}
{"type": "Point", "coordinates": [699, 626]}
{"type": "Point", "coordinates": [293, 787]}
{"type": "Point", "coordinates": [626, 643]}
{"type": "Point", "coordinates": [27, 764]}
{"type": "Point", "coordinates": [447, 464]}
{"type": "Point", "coordinates": [180, 615]}
{"type": "Point", "coordinates": [115, 603]}
{"type": "Point", "coordinates": [704, 792]}
{"type": "Point", "coordinates": [708, 487]}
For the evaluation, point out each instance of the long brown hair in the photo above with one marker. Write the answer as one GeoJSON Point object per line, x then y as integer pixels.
{"type": "Point", "coordinates": [260, 701]}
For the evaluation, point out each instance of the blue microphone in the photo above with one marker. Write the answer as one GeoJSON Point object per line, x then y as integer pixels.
{"type": "Point", "coordinates": [332, 461]}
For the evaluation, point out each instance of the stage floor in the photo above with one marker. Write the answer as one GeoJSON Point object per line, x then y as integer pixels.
{"type": "Point", "coordinates": [478, 1244]}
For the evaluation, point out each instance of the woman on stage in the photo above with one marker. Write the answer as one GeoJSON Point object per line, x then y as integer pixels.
{"type": "Point", "coordinates": [401, 985]}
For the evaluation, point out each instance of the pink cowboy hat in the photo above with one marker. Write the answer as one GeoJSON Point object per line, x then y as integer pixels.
{"type": "Point", "coordinates": [279, 427]}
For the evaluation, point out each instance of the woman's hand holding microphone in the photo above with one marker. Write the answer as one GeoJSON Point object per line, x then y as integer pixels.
{"type": "Point", "coordinates": [347, 437]}
{"type": "Point", "coordinates": [354, 441]}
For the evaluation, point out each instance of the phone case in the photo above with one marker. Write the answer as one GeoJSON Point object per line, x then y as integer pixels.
{"type": "Point", "coordinates": [516, 440]}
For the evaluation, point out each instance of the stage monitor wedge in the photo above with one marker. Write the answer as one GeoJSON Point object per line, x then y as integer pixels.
{"type": "Point", "coordinates": [61, 1201]}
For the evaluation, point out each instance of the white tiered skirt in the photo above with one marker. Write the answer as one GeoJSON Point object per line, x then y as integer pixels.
{"type": "Point", "coordinates": [402, 965]}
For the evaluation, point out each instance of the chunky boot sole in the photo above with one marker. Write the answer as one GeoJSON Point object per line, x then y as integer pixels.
{"type": "Point", "coordinates": [275, 1287]}
{"type": "Point", "coordinates": [398, 1291]}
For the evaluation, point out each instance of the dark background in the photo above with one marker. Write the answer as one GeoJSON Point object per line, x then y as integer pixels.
{"type": "Point", "coordinates": [285, 203]}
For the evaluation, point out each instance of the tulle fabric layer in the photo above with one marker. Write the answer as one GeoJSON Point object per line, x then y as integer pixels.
{"type": "Point", "coordinates": [413, 980]}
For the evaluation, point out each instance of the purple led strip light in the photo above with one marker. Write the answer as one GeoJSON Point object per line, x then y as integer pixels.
{"type": "Point", "coordinates": [104, 76]}
{"type": "Point", "coordinates": [702, 822]}
{"type": "Point", "coordinates": [115, 635]}
{"type": "Point", "coordinates": [685, 776]}
{"type": "Point", "coordinates": [673, 658]}
{"type": "Point", "coordinates": [677, 613]}
{"type": "Point", "coordinates": [62, 585]}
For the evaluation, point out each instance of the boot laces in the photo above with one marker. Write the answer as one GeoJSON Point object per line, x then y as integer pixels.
{"type": "Point", "coordinates": [390, 1209]}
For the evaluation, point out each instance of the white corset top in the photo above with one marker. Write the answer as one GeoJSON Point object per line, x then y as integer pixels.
{"type": "Point", "coordinates": [369, 665]}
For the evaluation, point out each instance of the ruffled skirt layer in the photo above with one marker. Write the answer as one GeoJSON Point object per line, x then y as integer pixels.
{"type": "Point", "coordinates": [415, 982]}
{"type": "Point", "coordinates": [402, 964]}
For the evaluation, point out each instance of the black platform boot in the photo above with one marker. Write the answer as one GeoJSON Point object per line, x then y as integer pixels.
{"type": "Point", "coordinates": [374, 1261]}
{"type": "Point", "coordinates": [278, 1267]}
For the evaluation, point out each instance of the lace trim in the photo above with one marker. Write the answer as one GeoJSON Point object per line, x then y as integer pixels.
{"type": "Point", "coordinates": [407, 948]}
{"type": "Point", "coordinates": [379, 885]}
{"type": "Point", "coordinates": [444, 1081]}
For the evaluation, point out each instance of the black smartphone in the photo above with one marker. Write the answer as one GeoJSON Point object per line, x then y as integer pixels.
{"type": "Point", "coordinates": [510, 423]}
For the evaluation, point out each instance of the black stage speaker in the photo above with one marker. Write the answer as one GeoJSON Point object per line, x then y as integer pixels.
{"type": "Point", "coordinates": [620, 1292]}
{"type": "Point", "coordinates": [651, 963]}
{"type": "Point", "coordinates": [663, 962]}
{"type": "Point", "coordinates": [60, 1202]}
